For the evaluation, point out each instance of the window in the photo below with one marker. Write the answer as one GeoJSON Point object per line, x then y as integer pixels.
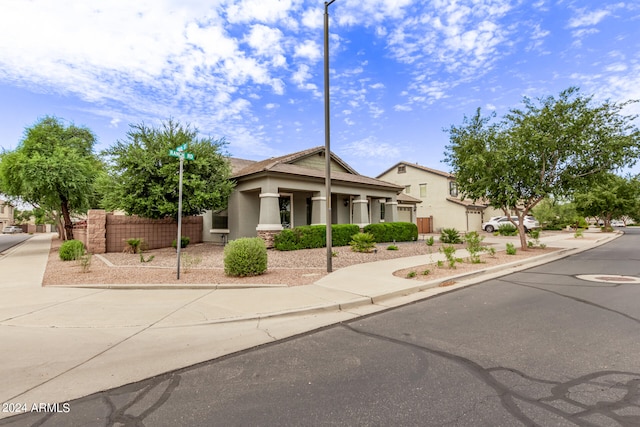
{"type": "Point", "coordinates": [407, 189]}
{"type": "Point", "coordinates": [423, 190]}
{"type": "Point", "coordinates": [220, 220]}
{"type": "Point", "coordinates": [453, 188]}
{"type": "Point", "coordinates": [382, 210]}
{"type": "Point", "coordinates": [285, 210]}
{"type": "Point", "coordinates": [402, 169]}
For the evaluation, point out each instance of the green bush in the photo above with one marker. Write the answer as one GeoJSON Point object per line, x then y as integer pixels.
{"type": "Point", "coordinates": [134, 246]}
{"type": "Point", "coordinates": [362, 242]}
{"type": "Point", "coordinates": [71, 250]}
{"type": "Point", "coordinates": [314, 236]}
{"type": "Point", "coordinates": [393, 231]}
{"type": "Point", "coordinates": [450, 235]}
{"type": "Point", "coordinates": [184, 242]}
{"type": "Point", "coordinates": [430, 241]}
{"type": "Point", "coordinates": [511, 249]}
{"type": "Point", "coordinates": [392, 248]}
{"type": "Point", "coordinates": [245, 257]}
{"type": "Point", "coordinates": [507, 230]}
{"type": "Point", "coordinates": [474, 246]}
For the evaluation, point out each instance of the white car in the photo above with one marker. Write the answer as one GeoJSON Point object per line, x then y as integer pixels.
{"type": "Point", "coordinates": [12, 229]}
{"type": "Point", "coordinates": [494, 223]}
{"type": "Point", "coordinates": [617, 223]}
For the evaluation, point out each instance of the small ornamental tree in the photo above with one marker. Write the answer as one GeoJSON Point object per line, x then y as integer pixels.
{"type": "Point", "coordinates": [54, 169]}
{"type": "Point", "coordinates": [552, 147]}
{"type": "Point", "coordinates": [612, 197]}
{"type": "Point", "coordinates": [143, 178]}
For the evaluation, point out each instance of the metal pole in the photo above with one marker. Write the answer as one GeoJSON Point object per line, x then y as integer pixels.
{"type": "Point", "coordinates": [327, 145]}
{"type": "Point", "coordinates": [179, 239]}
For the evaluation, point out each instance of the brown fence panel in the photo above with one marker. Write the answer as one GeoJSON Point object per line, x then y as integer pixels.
{"type": "Point", "coordinates": [156, 233]}
{"type": "Point", "coordinates": [425, 225]}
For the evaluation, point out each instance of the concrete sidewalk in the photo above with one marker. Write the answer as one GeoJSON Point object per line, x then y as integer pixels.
{"type": "Point", "coordinates": [59, 344]}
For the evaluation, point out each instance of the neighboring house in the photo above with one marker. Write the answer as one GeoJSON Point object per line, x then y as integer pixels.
{"type": "Point", "coordinates": [6, 214]}
{"type": "Point", "coordinates": [441, 206]}
{"type": "Point", "coordinates": [289, 191]}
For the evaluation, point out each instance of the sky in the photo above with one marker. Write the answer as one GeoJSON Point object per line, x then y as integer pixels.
{"type": "Point", "coordinates": [252, 71]}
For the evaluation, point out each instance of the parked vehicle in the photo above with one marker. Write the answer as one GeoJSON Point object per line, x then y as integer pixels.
{"type": "Point", "coordinates": [617, 223]}
{"type": "Point", "coordinates": [494, 223]}
{"type": "Point", "coordinates": [12, 229]}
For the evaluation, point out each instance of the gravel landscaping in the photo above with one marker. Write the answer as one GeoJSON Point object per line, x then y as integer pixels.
{"type": "Point", "coordinates": [203, 264]}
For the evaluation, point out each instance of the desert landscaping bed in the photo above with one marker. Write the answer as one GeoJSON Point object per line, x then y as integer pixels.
{"type": "Point", "coordinates": [203, 264]}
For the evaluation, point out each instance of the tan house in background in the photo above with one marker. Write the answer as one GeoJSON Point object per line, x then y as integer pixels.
{"type": "Point", "coordinates": [441, 206]}
{"type": "Point", "coordinates": [6, 214]}
{"type": "Point", "coordinates": [289, 191]}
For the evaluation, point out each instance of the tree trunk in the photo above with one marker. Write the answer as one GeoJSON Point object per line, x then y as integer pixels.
{"type": "Point", "coordinates": [68, 226]}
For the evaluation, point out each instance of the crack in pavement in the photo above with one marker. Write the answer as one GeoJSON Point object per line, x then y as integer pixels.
{"type": "Point", "coordinates": [559, 391]}
{"type": "Point", "coordinates": [576, 299]}
{"type": "Point", "coordinates": [49, 306]}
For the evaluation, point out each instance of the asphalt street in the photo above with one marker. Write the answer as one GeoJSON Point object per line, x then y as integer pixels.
{"type": "Point", "coordinates": [7, 241]}
{"type": "Point", "coordinates": [538, 347]}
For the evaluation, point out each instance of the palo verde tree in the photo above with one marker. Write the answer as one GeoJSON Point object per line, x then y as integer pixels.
{"type": "Point", "coordinates": [552, 147]}
{"type": "Point", "coordinates": [143, 179]}
{"type": "Point", "coordinates": [611, 197]}
{"type": "Point", "coordinates": [53, 168]}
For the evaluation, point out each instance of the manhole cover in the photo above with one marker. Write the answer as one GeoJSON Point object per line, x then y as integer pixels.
{"type": "Point", "coordinates": [608, 278]}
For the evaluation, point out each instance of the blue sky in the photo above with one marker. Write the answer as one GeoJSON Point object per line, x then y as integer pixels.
{"type": "Point", "coordinates": [252, 70]}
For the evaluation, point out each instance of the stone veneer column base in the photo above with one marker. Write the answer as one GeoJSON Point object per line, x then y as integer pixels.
{"type": "Point", "coordinates": [267, 236]}
{"type": "Point", "coordinates": [97, 231]}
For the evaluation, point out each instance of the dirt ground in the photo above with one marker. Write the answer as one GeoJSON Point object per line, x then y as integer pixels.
{"type": "Point", "coordinates": [204, 264]}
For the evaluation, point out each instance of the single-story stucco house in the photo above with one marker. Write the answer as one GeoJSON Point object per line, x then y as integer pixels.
{"type": "Point", "coordinates": [288, 191]}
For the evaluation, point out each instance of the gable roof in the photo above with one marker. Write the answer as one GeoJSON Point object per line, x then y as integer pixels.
{"type": "Point", "coordinates": [419, 167]}
{"type": "Point", "coordinates": [285, 165]}
{"type": "Point", "coordinates": [273, 162]}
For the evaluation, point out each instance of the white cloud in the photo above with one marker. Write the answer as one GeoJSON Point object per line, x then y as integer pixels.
{"type": "Point", "coordinates": [308, 49]}
{"type": "Point", "coordinates": [585, 18]}
{"type": "Point", "coordinates": [371, 147]}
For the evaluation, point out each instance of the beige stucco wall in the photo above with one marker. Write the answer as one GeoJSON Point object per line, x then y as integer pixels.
{"type": "Point", "coordinates": [6, 215]}
{"type": "Point", "coordinates": [446, 214]}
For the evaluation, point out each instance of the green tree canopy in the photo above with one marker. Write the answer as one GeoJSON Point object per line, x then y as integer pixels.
{"type": "Point", "coordinates": [611, 197]}
{"type": "Point", "coordinates": [143, 179]}
{"type": "Point", "coordinates": [552, 147]}
{"type": "Point", "coordinates": [53, 168]}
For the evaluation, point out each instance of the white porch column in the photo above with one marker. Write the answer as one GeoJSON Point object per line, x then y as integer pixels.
{"type": "Point", "coordinates": [318, 209]}
{"type": "Point", "coordinates": [361, 211]}
{"type": "Point", "coordinates": [269, 212]}
{"type": "Point", "coordinates": [376, 210]}
{"type": "Point", "coordinates": [391, 211]}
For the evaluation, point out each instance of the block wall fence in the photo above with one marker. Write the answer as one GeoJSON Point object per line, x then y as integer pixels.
{"type": "Point", "coordinates": [106, 232]}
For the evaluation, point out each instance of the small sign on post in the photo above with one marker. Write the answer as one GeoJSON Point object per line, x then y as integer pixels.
{"type": "Point", "coordinates": [181, 154]}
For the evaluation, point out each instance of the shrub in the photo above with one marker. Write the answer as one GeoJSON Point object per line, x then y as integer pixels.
{"type": "Point", "coordinates": [314, 236]}
{"type": "Point", "coordinates": [341, 234]}
{"type": "Point", "coordinates": [393, 231]}
{"type": "Point", "coordinates": [450, 252]}
{"type": "Point", "coordinates": [184, 242]}
{"type": "Point", "coordinates": [411, 274]}
{"type": "Point", "coordinates": [362, 242]}
{"type": "Point", "coordinates": [392, 248]}
{"type": "Point", "coordinates": [430, 241]}
{"type": "Point", "coordinates": [245, 257]}
{"type": "Point", "coordinates": [134, 246]}
{"type": "Point", "coordinates": [474, 246]}
{"type": "Point", "coordinates": [507, 230]}
{"type": "Point", "coordinates": [450, 235]}
{"type": "Point", "coordinates": [71, 250]}
{"type": "Point", "coordinates": [511, 249]}
{"type": "Point", "coordinates": [426, 272]}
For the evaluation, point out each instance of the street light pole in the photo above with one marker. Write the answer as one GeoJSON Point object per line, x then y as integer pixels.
{"type": "Point", "coordinates": [327, 145]}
